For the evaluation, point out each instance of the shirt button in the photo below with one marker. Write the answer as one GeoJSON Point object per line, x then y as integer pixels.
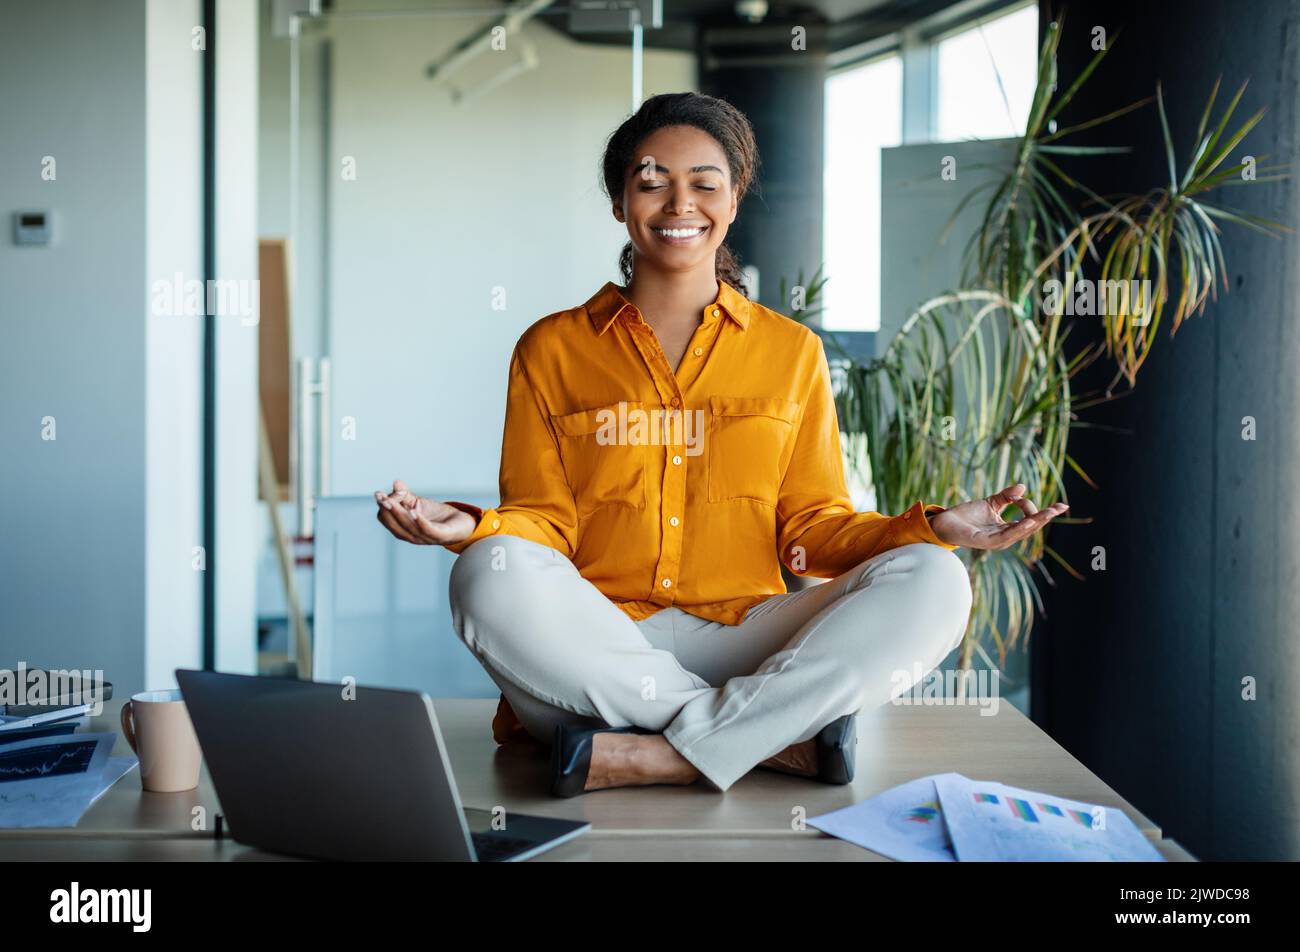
{"type": "Point", "coordinates": [677, 461]}
{"type": "Point", "coordinates": [716, 312]}
{"type": "Point", "coordinates": [908, 514]}
{"type": "Point", "coordinates": [496, 523]}
{"type": "Point", "coordinates": [677, 402]}
{"type": "Point", "coordinates": [697, 351]}
{"type": "Point", "coordinates": [668, 583]}
{"type": "Point", "coordinates": [673, 521]}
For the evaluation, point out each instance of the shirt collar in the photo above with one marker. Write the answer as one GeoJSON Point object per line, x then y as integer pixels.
{"type": "Point", "coordinates": [608, 303]}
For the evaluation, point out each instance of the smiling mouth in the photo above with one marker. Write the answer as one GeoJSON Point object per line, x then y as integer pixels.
{"type": "Point", "coordinates": [680, 236]}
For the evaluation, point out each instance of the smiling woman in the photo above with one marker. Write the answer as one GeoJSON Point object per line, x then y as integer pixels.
{"type": "Point", "coordinates": [626, 594]}
{"type": "Point", "coordinates": [723, 165]}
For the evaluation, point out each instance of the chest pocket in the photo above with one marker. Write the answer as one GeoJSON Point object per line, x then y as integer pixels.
{"type": "Point", "coordinates": [601, 470]}
{"type": "Point", "coordinates": [747, 439]}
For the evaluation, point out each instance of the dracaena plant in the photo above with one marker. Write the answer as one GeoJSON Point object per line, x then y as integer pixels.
{"type": "Point", "coordinates": [975, 390]}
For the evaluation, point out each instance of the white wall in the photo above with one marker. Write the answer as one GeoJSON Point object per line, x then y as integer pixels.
{"type": "Point", "coordinates": [174, 188]}
{"type": "Point", "coordinates": [173, 342]}
{"type": "Point", "coordinates": [98, 527]}
{"type": "Point", "coordinates": [394, 271]}
{"type": "Point", "coordinates": [239, 531]}
{"type": "Point", "coordinates": [450, 202]}
{"type": "Point", "coordinates": [72, 510]}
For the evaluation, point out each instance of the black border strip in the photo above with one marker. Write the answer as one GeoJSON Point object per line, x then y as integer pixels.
{"type": "Point", "coordinates": [209, 336]}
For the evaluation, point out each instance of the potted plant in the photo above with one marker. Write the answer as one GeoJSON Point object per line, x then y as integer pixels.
{"type": "Point", "coordinates": [975, 389]}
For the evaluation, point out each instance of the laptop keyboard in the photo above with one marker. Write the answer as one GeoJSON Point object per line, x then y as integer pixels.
{"type": "Point", "coordinates": [492, 848]}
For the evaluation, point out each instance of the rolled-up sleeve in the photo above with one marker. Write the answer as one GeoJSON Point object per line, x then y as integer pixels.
{"type": "Point", "coordinates": [536, 501]}
{"type": "Point", "coordinates": [819, 534]}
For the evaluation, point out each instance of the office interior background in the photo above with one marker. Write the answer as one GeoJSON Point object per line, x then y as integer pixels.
{"type": "Point", "coordinates": [409, 198]}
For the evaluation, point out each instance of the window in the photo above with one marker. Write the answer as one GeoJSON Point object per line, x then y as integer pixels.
{"type": "Point", "coordinates": [864, 114]}
{"type": "Point", "coordinates": [971, 103]}
{"type": "Point", "coordinates": [974, 80]}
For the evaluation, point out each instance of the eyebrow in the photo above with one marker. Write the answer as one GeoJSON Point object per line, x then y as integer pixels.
{"type": "Point", "coordinates": [694, 168]}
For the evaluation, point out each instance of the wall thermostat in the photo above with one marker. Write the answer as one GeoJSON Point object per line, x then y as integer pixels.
{"type": "Point", "coordinates": [33, 228]}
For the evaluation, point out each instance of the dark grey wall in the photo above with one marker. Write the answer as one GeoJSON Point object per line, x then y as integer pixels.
{"type": "Point", "coordinates": [1139, 669]}
{"type": "Point", "coordinates": [783, 92]}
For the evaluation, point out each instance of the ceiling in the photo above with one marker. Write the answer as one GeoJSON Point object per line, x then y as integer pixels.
{"type": "Point", "coordinates": [848, 22]}
{"type": "Point", "coordinates": [700, 25]}
{"type": "Point", "coordinates": [831, 10]}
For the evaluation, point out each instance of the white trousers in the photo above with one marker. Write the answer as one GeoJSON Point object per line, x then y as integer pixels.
{"type": "Point", "coordinates": [725, 696]}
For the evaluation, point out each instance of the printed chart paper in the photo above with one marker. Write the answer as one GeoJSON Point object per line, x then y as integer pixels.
{"type": "Point", "coordinates": [991, 822]}
{"type": "Point", "coordinates": [905, 823]}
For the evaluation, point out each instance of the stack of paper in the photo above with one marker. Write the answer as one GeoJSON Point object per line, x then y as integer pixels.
{"type": "Point", "coordinates": [53, 780]}
{"type": "Point", "coordinates": [948, 817]}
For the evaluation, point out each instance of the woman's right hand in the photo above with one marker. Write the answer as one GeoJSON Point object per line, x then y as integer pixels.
{"type": "Point", "coordinates": [422, 521]}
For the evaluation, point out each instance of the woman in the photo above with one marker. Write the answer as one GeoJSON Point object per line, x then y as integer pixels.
{"type": "Point", "coordinates": [666, 444]}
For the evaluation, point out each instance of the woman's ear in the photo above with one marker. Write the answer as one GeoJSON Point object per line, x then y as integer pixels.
{"type": "Point", "coordinates": [618, 211]}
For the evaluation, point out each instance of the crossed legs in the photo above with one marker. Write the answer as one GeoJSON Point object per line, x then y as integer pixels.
{"type": "Point", "coordinates": [724, 697]}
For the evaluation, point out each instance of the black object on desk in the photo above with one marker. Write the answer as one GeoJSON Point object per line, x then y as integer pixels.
{"type": "Point", "coordinates": [40, 730]}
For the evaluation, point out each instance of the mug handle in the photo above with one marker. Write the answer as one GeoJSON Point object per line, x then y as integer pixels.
{"type": "Point", "coordinates": [128, 726]}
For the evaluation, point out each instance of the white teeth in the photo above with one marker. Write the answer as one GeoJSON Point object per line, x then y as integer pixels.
{"type": "Point", "coordinates": [680, 232]}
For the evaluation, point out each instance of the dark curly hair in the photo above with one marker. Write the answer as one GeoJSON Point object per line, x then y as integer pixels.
{"type": "Point", "coordinates": [720, 119]}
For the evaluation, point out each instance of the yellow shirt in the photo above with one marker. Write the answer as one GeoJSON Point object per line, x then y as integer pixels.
{"type": "Point", "coordinates": [680, 488]}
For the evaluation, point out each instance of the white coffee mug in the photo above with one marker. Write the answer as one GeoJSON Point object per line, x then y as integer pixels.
{"type": "Point", "coordinates": [158, 728]}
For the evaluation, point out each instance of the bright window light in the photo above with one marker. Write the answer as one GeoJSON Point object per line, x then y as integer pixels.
{"type": "Point", "coordinates": [864, 114]}
{"type": "Point", "coordinates": [970, 103]}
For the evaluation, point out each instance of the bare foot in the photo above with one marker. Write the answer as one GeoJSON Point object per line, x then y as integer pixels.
{"type": "Point", "coordinates": [635, 760]}
{"type": "Point", "coordinates": [799, 759]}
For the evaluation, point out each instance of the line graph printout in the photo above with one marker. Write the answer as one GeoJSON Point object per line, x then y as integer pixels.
{"type": "Point", "coordinates": [991, 822]}
{"type": "Point", "coordinates": [51, 781]}
{"type": "Point", "coordinates": [45, 760]}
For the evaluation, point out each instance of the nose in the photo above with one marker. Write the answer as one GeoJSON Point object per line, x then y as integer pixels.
{"type": "Point", "coordinates": [679, 200]}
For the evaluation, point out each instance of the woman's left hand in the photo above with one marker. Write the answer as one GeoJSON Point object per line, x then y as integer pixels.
{"type": "Point", "coordinates": [977, 523]}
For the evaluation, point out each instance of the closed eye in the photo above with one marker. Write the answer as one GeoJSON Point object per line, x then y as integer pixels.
{"type": "Point", "coordinates": [655, 188]}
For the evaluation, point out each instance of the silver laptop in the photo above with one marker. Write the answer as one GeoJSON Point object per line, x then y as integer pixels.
{"type": "Point", "coordinates": [299, 769]}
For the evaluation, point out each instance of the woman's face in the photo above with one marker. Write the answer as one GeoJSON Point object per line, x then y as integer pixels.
{"type": "Point", "coordinates": [677, 199]}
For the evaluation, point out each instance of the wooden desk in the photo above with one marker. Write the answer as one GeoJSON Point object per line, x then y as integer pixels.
{"type": "Point", "coordinates": [895, 745]}
{"type": "Point", "coordinates": [593, 846]}
{"type": "Point", "coordinates": [751, 821]}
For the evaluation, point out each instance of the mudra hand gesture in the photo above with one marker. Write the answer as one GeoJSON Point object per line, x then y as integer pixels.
{"type": "Point", "coordinates": [978, 524]}
{"type": "Point", "coordinates": [422, 521]}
